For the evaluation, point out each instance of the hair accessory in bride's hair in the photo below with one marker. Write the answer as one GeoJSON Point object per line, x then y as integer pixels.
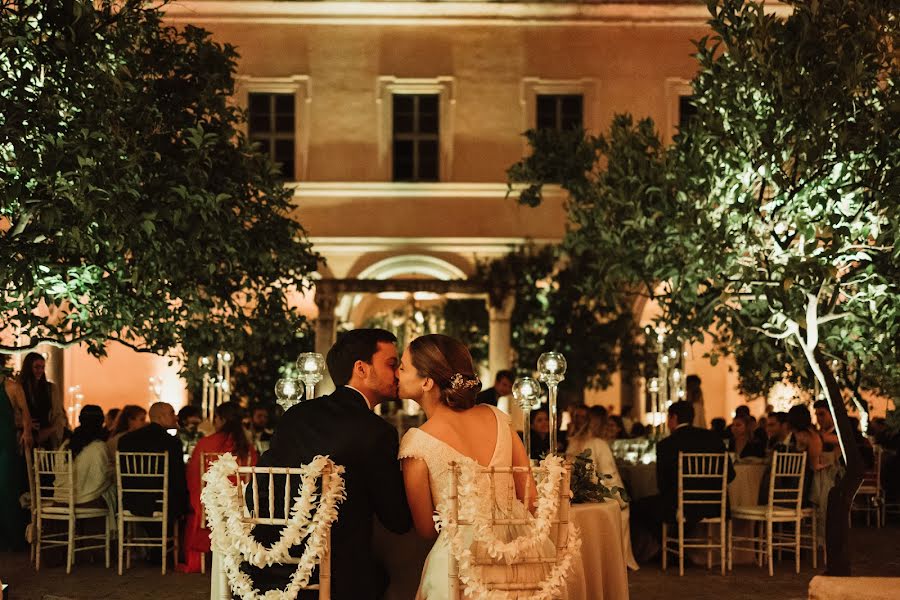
{"type": "Point", "coordinates": [460, 382]}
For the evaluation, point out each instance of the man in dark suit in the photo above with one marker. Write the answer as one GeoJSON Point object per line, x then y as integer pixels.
{"type": "Point", "coordinates": [648, 514]}
{"type": "Point", "coordinates": [503, 383]}
{"type": "Point", "coordinates": [363, 364]}
{"type": "Point", "coordinates": [155, 438]}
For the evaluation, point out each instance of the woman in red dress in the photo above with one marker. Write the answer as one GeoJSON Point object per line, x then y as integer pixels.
{"type": "Point", "coordinates": [229, 437]}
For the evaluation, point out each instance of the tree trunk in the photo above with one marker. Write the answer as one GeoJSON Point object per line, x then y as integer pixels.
{"type": "Point", "coordinates": [840, 498]}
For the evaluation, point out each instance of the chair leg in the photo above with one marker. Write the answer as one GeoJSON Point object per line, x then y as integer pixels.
{"type": "Point", "coordinates": [815, 542]}
{"type": "Point", "coordinates": [723, 535]}
{"type": "Point", "coordinates": [128, 549]}
{"type": "Point", "coordinates": [106, 520]}
{"type": "Point", "coordinates": [730, 545]}
{"type": "Point", "coordinates": [680, 547]}
{"type": "Point", "coordinates": [797, 546]}
{"type": "Point", "coordinates": [665, 545]}
{"type": "Point", "coordinates": [709, 547]}
{"type": "Point", "coordinates": [37, 548]}
{"type": "Point", "coordinates": [203, 563]}
{"type": "Point", "coordinates": [769, 556]}
{"type": "Point", "coordinates": [165, 539]}
{"type": "Point", "coordinates": [70, 546]}
{"type": "Point", "coordinates": [121, 544]}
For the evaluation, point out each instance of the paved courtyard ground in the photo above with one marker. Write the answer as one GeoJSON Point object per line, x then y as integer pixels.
{"type": "Point", "coordinates": [877, 554]}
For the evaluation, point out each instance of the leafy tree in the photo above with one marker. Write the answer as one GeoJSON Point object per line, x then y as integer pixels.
{"type": "Point", "coordinates": [133, 207]}
{"type": "Point", "coordinates": [776, 211]}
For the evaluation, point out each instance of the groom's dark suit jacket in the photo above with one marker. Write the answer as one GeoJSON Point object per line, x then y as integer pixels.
{"type": "Point", "coordinates": [342, 426]}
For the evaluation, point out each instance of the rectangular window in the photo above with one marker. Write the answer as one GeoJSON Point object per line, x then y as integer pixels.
{"type": "Point", "coordinates": [416, 137]}
{"type": "Point", "coordinates": [686, 110]}
{"type": "Point", "coordinates": [560, 111]}
{"type": "Point", "coordinates": [271, 124]}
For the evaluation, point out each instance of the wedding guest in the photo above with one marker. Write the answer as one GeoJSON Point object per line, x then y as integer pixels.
{"type": "Point", "coordinates": [45, 403]}
{"type": "Point", "coordinates": [718, 424]}
{"type": "Point", "coordinates": [155, 437]}
{"type": "Point", "coordinates": [131, 418]}
{"type": "Point", "coordinates": [638, 429]}
{"type": "Point", "coordinates": [744, 444]}
{"type": "Point", "coordinates": [93, 471]}
{"type": "Point", "coordinates": [260, 433]}
{"type": "Point", "coordinates": [576, 430]}
{"type": "Point", "coordinates": [778, 432]}
{"type": "Point", "coordinates": [604, 464]}
{"type": "Point", "coordinates": [229, 437]}
{"type": "Point", "coordinates": [615, 429]}
{"type": "Point", "coordinates": [821, 465]}
{"type": "Point", "coordinates": [540, 433]}
{"type": "Point", "coordinates": [189, 418]}
{"type": "Point", "coordinates": [694, 395]}
{"type": "Point", "coordinates": [503, 382]}
{"type": "Point", "coordinates": [111, 416]}
{"type": "Point", "coordinates": [648, 514]}
{"type": "Point", "coordinates": [12, 401]}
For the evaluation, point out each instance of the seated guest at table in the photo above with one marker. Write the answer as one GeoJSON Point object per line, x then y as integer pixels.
{"type": "Point", "coordinates": [93, 474]}
{"type": "Point", "coordinates": [615, 429]}
{"type": "Point", "coordinates": [822, 467]}
{"type": "Point", "coordinates": [111, 416]}
{"type": "Point", "coordinates": [155, 437]}
{"type": "Point", "coordinates": [719, 425]}
{"type": "Point", "coordinates": [648, 513]}
{"type": "Point", "coordinates": [638, 429]}
{"type": "Point", "coordinates": [131, 418]}
{"type": "Point", "coordinates": [577, 430]}
{"type": "Point", "coordinates": [229, 437]}
{"type": "Point", "coordinates": [503, 383]}
{"type": "Point", "coordinates": [604, 464]}
{"type": "Point", "coordinates": [778, 432]}
{"type": "Point", "coordinates": [744, 444]}
{"type": "Point", "coordinates": [189, 419]}
{"type": "Point", "coordinates": [540, 433]}
{"type": "Point", "coordinates": [260, 432]}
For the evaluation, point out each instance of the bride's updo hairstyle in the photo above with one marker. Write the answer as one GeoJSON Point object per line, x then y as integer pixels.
{"type": "Point", "coordinates": [448, 363]}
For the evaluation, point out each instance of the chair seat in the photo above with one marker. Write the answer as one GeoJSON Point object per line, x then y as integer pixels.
{"type": "Point", "coordinates": [868, 489]}
{"type": "Point", "coordinates": [79, 512]}
{"type": "Point", "coordinates": [759, 512]}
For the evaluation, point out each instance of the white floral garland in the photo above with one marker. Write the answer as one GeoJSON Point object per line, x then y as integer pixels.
{"type": "Point", "coordinates": [231, 536]}
{"type": "Point", "coordinates": [510, 552]}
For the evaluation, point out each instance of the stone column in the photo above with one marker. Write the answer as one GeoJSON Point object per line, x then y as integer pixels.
{"type": "Point", "coordinates": [326, 301]}
{"type": "Point", "coordinates": [500, 347]}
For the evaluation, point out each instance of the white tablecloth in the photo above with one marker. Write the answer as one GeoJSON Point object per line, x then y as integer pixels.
{"type": "Point", "coordinates": [601, 573]}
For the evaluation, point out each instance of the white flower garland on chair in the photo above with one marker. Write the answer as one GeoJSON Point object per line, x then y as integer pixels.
{"type": "Point", "coordinates": [510, 552]}
{"type": "Point", "coordinates": [231, 535]}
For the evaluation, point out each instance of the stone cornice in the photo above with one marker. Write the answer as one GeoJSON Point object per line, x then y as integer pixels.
{"type": "Point", "coordinates": [693, 14]}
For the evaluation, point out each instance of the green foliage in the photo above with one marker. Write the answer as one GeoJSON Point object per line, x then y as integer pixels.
{"type": "Point", "coordinates": [133, 207]}
{"type": "Point", "coordinates": [587, 485]}
{"type": "Point", "coordinates": [551, 313]}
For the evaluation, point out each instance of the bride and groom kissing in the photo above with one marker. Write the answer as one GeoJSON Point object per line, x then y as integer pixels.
{"type": "Point", "coordinates": [437, 372]}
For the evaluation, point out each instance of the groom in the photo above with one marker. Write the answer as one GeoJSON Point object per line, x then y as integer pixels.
{"type": "Point", "coordinates": [363, 365]}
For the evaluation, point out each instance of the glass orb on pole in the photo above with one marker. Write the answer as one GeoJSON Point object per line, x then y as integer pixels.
{"type": "Point", "coordinates": [527, 393]}
{"type": "Point", "coordinates": [287, 391]}
{"type": "Point", "coordinates": [311, 369]}
{"type": "Point", "coordinates": [551, 367]}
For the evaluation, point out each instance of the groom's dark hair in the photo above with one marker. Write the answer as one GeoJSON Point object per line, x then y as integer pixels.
{"type": "Point", "coordinates": [351, 346]}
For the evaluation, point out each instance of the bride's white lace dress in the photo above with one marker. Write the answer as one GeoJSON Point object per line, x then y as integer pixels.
{"type": "Point", "coordinates": [437, 455]}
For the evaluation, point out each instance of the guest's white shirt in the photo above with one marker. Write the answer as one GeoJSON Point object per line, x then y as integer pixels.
{"type": "Point", "coordinates": [93, 474]}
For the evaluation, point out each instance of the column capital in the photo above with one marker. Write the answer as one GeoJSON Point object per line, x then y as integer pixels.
{"type": "Point", "coordinates": [326, 301]}
{"type": "Point", "coordinates": [503, 312]}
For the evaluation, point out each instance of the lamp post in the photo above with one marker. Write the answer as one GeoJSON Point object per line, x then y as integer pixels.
{"type": "Point", "coordinates": [311, 366]}
{"type": "Point", "coordinates": [551, 367]}
{"type": "Point", "coordinates": [527, 393]}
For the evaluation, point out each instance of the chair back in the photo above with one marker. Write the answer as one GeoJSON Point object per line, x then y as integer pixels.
{"type": "Point", "coordinates": [282, 486]}
{"type": "Point", "coordinates": [871, 482]}
{"type": "Point", "coordinates": [514, 477]}
{"type": "Point", "coordinates": [206, 461]}
{"type": "Point", "coordinates": [142, 482]}
{"type": "Point", "coordinates": [54, 479]}
{"type": "Point", "coordinates": [786, 480]}
{"type": "Point", "coordinates": [702, 484]}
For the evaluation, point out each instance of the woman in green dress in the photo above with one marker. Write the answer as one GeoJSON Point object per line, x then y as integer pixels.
{"type": "Point", "coordinates": [12, 398]}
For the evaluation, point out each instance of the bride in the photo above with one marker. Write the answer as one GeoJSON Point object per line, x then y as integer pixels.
{"type": "Point", "coordinates": [436, 371]}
